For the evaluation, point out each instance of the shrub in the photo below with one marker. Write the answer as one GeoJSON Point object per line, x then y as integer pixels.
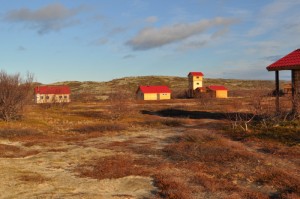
{"type": "Point", "coordinates": [14, 94]}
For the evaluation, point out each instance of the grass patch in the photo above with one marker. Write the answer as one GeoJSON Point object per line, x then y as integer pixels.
{"type": "Point", "coordinates": [100, 128]}
{"type": "Point", "coordinates": [35, 178]}
{"type": "Point", "coordinates": [172, 188]}
{"type": "Point", "coordinates": [111, 167]}
{"type": "Point", "coordinates": [285, 134]}
{"type": "Point", "coordinates": [10, 151]}
{"type": "Point", "coordinates": [14, 133]}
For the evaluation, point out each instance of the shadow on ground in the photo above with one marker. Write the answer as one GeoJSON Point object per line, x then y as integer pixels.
{"type": "Point", "coordinates": [177, 113]}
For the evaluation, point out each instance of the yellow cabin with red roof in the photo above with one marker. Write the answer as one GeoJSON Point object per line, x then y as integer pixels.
{"type": "Point", "coordinates": [153, 93]}
{"type": "Point", "coordinates": [218, 91]}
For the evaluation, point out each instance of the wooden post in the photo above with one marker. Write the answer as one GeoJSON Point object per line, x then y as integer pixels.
{"type": "Point", "coordinates": [295, 89]}
{"type": "Point", "coordinates": [277, 91]}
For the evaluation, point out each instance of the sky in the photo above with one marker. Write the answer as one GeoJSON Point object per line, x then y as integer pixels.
{"type": "Point", "coordinates": [100, 40]}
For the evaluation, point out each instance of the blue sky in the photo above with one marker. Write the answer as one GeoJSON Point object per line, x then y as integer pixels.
{"type": "Point", "coordinates": [99, 40]}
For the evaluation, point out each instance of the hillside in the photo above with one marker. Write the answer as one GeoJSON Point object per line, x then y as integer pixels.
{"type": "Point", "coordinates": [101, 90]}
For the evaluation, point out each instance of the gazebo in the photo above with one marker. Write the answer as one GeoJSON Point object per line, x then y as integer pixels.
{"type": "Point", "coordinates": [289, 62]}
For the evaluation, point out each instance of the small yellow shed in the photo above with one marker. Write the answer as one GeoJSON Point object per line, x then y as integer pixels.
{"type": "Point", "coordinates": [153, 93]}
{"type": "Point", "coordinates": [218, 91]}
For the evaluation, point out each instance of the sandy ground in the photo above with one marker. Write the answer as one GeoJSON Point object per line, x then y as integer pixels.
{"type": "Point", "coordinates": [55, 178]}
{"type": "Point", "coordinates": [50, 173]}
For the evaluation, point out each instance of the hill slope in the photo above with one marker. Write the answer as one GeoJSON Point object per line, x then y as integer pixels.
{"type": "Point", "coordinates": [177, 84]}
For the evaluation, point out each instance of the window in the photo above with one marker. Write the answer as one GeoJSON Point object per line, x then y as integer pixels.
{"type": "Point", "coordinates": [47, 97]}
{"type": "Point", "coordinates": [42, 97]}
{"type": "Point", "coordinates": [197, 83]}
{"type": "Point", "coordinates": [197, 77]}
{"type": "Point", "coordinates": [65, 97]}
{"type": "Point", "coordinates": [60, 97]}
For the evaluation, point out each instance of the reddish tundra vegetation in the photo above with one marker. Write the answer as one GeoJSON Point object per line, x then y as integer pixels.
{"type": "Point", "coordinates": [179, 149]}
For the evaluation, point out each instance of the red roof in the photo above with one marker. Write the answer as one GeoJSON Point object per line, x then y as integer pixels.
{"type": "Point", "coordinates": [217, 88]}
{"type": "Point", "coordinates": [195, 74]}
{"type": "Point", "coordinates": [288, 62]}
{"type": "Point", "coordinates": [52, 90]}
{"type": "Point", "coordinates": [154, 89]}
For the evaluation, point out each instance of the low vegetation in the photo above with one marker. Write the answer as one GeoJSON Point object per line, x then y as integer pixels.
{"type": "Point", "coordinates": [181, 149]}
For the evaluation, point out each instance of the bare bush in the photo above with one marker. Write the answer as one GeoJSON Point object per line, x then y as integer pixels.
{"type": "Point", "coordinates": [204, 99]}
{"type": "Point", "coordinates": [14, 94]}
{"type": "Point", "coordinates": [180, 94]}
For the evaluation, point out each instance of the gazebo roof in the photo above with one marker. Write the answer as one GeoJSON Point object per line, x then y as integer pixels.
{"type": "Point", "coordinates": [289, 62]}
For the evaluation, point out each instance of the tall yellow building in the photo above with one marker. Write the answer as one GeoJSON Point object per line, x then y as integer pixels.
{"type": "Point", "coordinates": [195, 81]}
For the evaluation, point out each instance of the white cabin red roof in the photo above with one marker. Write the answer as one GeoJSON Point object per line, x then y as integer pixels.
{"type": "Point", "coordinates": [52, 90]}
{"type": "Point", "coordinates": [195, 74]}
{"type": "Point", "coordinates": [154, 89]}
{"type": "Point", "coordinates": [217, 88]}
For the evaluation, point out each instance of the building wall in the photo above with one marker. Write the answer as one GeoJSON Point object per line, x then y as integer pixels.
{"type": "Point", "coordinates": [164, 96]}
{"type": "Point", "coordinates": [140, 95]}
{"type": "Point", "coordinates": [150, 96]}
{"type": "Point", "coordinates": [194, 83]}
{"type": "Point", "coordinates": [52, 98]}
{"type": "Point", "coordinates": [221, 94]}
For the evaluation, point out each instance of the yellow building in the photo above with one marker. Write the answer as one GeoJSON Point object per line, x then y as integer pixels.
{"type": "Point", "coordinates": [195, 81]}
{"type": "Point", "coordinates": [218, 91]}
{"type": "Point", "coordinates": [153, 93]}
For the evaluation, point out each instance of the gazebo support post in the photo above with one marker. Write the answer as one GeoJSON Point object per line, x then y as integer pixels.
{"type": "Point", "coordinates": [277, 91]}
{"type": "Point", "coordinates": [295, 94]}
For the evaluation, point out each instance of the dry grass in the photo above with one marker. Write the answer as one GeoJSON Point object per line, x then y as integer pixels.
{"type": "Point", "coordinates": [187, 157]}
{"type": "Point", "coordinates": [10, 151]}
{"type": "Point", "coordinates": [35, 178]}
{"type": "Point", "coordinates": [110, 127]}
{"type": "Point", "coordinates": [170, 187]}
{"type": "Point", "coordinates": [10, 133]}
{"type": "Point", "coordinates": [111, 167]}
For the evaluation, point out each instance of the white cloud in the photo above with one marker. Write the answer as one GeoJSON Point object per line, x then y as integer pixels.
{"type": "Point", "coordinates": [272, 17]}
{"type": "Point", "coordinates": [149, 38]}
{"type": "Point", "coordinates": [151, 19]}
{"type": "Point", "coordinates": [52, 17]}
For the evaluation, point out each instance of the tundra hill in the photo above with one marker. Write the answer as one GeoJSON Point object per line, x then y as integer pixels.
{"type": "Point", "coordinates": [101, 90]}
